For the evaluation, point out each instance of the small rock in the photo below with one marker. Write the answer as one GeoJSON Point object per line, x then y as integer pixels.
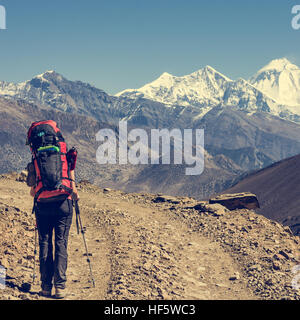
{"type": "Point", "coordinates": [24, 296]}
{"type": "Point", "coordinates": [234, 277]}
{"type": "Point", "coordinates": [288, 230]}
{"type": "Point", "coordinates": [276, 265]}
{"type": "Point", "coordinates": [269, 282]}
{"type": "Point", "coordinates": [216, 209]}
{"type": "Point", "coordinates": [164, 198]}
{"type": "Point", "coordinates": [244, 229]}
{"type": "Point", "coordinates": [22, 177]}
{"type": "Point", "coordinates": [7, 252]}
{"type": "Point", "coordinates": [284, 254]}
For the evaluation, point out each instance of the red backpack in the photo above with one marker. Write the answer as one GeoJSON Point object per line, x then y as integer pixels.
{"type": "Point", "coordinates": [49, 157]}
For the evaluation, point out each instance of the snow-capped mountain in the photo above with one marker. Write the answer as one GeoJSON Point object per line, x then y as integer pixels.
{"type": "Point", "coordinates": [280, 80]}
{"type": "Point", "coordinates": [274, 89]}
{"type": "Point", "coordinates": [52, 89]}
{"type": "Point", "coordinates": [204, 87]}
{"type": "Point", "coordinates": [40, 81]}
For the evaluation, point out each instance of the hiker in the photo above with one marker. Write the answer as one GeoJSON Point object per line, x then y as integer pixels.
{"type": "Point", "coordinates": [51, 176]}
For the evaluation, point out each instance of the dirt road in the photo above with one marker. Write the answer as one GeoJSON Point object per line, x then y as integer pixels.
{"type": "Point", "coordinates": [139, 251]}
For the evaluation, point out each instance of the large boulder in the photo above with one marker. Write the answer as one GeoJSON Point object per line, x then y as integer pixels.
{"type": "Point", "coordinates": [245, 200]}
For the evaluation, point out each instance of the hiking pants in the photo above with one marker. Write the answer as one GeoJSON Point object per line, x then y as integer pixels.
{"type": "Point", "coordinates": [57, 217]}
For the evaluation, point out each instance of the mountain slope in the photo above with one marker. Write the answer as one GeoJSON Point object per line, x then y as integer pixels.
{"type": "Point", "coordinates": [277, 189]}
{"type": "Point", "coordinates": [250, 140]}
{"type": "Point", "coordinates": [80, 130]}
{"type": "Point", "coordinates": [235, 142]}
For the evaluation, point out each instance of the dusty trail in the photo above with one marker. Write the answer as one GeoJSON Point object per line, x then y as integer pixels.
{"type": "Point", "coordinates": [155, 256]}
{"type": "Point", "coordinates": [138, 251]}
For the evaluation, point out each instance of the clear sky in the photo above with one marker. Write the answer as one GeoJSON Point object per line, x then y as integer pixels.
{"type": "Point", "coordinates": [120, 44]}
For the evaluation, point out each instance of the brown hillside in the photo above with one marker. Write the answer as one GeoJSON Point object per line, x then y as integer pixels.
{"type": "Point", "coordinates": [278, 190]}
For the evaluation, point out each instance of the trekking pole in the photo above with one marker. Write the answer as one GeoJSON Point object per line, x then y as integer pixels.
{"type": "Point", "coordinates": [79, 225]}
{"type": "Point", "coordinates": [26, 286]}
{"type": "Point", "coordinates": [35, 252]}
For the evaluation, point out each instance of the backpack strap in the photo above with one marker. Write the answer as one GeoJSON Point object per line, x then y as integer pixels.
{"type": "Point", "coordinates": [69, 190]}
{"type": "Point", "coordinates": [35, 199]}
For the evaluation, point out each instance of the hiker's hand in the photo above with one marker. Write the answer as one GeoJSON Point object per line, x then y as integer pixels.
{"type": "Point", "coordinates": [75, 194]}
{"type": "Point", "coordinates": [32, 191]}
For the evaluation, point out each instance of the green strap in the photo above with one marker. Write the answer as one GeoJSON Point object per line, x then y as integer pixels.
{"type": "Point", "coordinates": [48, 148]}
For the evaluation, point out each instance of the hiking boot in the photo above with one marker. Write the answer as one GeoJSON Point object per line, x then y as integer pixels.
{"type": "Point", "coordinates": [60, 293]}
{"type": "Point", "coordinates": [45, 293]}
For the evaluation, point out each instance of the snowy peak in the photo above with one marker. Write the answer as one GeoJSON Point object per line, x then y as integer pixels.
{"type": "Point", "coordinates": [47, 73]}
{"type": "Point", "coordinates": [275, 89]}
{"type": "Point", "coordinates": [50, 76]}
{"type": "Point", "coordinates": [279, 65]}
{"type": "Point", "coordinates": [166, 79]}
{"type": "Point", "coordinates": [278, 83]}
{"type": "Point", "coordinates": [204, 87]}
{"type": "Point", "coordinates": [51, 89]}
{"type": "Point", "coordinates": [280, 80]}
{"type": "Point", "coordinates": [166, 75]}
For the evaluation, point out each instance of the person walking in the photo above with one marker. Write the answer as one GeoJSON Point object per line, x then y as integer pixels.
{"type": "Point", "coordinates": [51, 176]}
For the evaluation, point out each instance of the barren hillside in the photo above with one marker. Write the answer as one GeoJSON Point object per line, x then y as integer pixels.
{"type": "Point", "coordinates": [144, 247]}
{"type": "Point", "coordinates": [277, 188]}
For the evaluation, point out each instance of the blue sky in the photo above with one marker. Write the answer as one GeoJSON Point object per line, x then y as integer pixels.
{"type": "Point", "coordinates": [119, 44]}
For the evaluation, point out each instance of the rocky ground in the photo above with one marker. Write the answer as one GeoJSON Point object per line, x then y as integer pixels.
{"type": "Point", "coordinates": [148, 247]}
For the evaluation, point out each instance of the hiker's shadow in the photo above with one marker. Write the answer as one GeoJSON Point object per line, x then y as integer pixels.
{"type": "Point", "coordinates": [24, 288]}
